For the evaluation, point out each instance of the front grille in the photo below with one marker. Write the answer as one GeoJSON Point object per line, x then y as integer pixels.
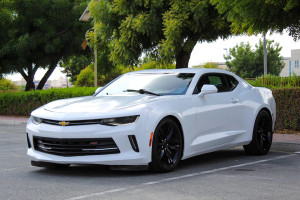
{"type": "Point", "coordinates": [75, 147]}
{"type": "Point", "coordinates": [72, 123]}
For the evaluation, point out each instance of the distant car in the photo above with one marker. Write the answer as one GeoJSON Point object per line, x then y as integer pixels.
{"type": "Point", "coordinates": [154, 118]}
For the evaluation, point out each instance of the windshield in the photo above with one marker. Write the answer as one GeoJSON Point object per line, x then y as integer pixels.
{"type": "Point", "coordinates": [155, 83]}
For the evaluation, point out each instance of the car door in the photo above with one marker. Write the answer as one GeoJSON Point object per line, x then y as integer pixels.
{"type": "Point", "coordinates": [218, 114]}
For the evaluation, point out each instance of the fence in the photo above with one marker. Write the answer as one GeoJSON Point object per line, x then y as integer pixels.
{"type": "Point", "coordinates": [275, 81]}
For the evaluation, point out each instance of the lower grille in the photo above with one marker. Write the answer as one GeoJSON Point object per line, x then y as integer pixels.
{"type": "Point", "coordinates": [75, 147]}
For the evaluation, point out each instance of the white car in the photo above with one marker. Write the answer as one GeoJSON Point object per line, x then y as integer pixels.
{"type": "Point", "coordinates": [154, 118]}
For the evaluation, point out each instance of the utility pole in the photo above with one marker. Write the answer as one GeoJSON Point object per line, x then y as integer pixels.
{"type": "Point", "coordinates": [265, 56]}
{"type": "Point", "coordinates": [95, 56]}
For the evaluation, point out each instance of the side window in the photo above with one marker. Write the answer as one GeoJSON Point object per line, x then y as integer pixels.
{"type": "Point", "coordinates": [232, 82]}
{"type": "Point", "coordinates": [218, 81]}
{"type": "Point", "coordinates": [214, 79]}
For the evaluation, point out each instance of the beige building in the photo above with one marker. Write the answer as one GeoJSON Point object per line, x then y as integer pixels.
{"type": "Point", "coordinates": [292, 65]}
{"type": "Point", "coordinates": [58, 83]}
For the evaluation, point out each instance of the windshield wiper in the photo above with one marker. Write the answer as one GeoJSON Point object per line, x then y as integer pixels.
{"type": "Point", "coordinates": [143, 91]}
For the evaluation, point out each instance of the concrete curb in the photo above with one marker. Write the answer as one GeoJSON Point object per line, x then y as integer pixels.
{"type": "Point", "coordinates": [13, 123]}
{"type": "Point", "coordinates": [286, 146]}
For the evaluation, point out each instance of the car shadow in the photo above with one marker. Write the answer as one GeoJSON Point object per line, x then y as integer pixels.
{"type": "Point", "coordinates": [191, 164]}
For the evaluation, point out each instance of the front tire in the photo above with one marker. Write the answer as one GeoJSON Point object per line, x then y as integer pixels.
{"type": "Point", "coordinates": [262, 135]}
{"type": "Point", "coordinates": [167, 147]}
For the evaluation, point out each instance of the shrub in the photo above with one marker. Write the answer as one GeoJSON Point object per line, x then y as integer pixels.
{"type": "Point", "coordinates": [270, 81]}
{"type": "Point", "coordinates": [7, 85]}
{"type": "Point", "coordinates": [288, 108]}
{"type": "Point", "coordinates": [23, 103]}
{"type": "Point", "coordinates": [85, 78]}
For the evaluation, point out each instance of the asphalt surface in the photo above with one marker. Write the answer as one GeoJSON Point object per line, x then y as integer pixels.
{"type": "Point", "coordinates": [228, 174]}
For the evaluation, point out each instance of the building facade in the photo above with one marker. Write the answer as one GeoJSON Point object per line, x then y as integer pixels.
{"type": "Point", "coordinates": [292, 66]}
{"type": "Point", "coordinates": [57, 83]}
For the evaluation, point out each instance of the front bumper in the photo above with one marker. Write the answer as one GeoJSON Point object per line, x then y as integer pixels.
{"type": "Point", "coordinates": [127, 156]}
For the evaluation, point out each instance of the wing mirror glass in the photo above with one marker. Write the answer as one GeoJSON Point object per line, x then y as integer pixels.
{"type": "Point", "coordinates": [98, 90]}
{"type": "Point", "coordinates": [207, 89]}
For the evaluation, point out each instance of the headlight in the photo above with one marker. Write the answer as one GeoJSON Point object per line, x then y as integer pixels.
{"type": "Point", "coordinates": [119, 120]}
{"type": "Point", "coordinates": [36, 120]}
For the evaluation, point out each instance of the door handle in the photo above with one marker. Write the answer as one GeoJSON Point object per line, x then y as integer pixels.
{"type": "Point", "coordinates": [234, 100]}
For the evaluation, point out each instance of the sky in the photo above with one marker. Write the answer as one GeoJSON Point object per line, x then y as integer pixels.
{"type": "Point", "coordinates": [205, 52]}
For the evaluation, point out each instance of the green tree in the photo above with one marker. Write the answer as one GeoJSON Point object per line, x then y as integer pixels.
{"type": "Point", "coordinates": [249, 63]}
{"type": "Point", "coordinates": [207, 65]}
{"type": "Point", "coordinates": [6, 17]}
{"type": "Point", "coordinates": [73, 66]}
{"type": "Point", "coordinates": [165, 30]}
{"type": "Point", "coordinates": [40, 34]}
{"type": "Point", "coordinates": [261, 15]}
{"type": "Point", "coordinates": [6, 84]}
{"type": "Point", "coordinates": [85, 78]}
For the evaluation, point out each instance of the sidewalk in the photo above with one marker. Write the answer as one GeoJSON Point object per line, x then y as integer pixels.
{"type": "Point", "coordinates": [281, 142]}
{"type": "Point", "coordinates": [7, 120]}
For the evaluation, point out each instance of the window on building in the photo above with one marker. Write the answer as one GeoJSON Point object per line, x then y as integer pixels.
{"type": "Point", "coordinates": [296, 63]}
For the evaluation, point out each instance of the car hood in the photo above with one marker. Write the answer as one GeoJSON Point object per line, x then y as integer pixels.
{"type": "Point", "coordinates": [98, 104]}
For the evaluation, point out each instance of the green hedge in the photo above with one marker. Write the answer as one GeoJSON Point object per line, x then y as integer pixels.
{"type": "Point", "coordinates": [288, 108]}
{"type": "Point", "coordinates": [275, 81]}
{"type": "Point", "coordinates": [23, 103]}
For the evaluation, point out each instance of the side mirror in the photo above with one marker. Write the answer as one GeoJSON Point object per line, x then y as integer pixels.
{"type": "Point", "coordinates": [98, 90]}
{"type": "Point", "coordinates": [207, 89]}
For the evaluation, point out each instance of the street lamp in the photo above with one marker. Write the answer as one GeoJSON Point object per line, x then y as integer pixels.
{"type": "Point", "coordinates": [226, 51]}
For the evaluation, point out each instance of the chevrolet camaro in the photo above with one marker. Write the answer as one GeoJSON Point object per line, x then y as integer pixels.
{"type": "Point", "coordinates": [153, 118]}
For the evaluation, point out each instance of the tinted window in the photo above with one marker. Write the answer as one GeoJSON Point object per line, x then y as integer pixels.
{"type": "Point", "coordinates": [223, 82]}
{"type": "Point", "coordinates": [232, 82]}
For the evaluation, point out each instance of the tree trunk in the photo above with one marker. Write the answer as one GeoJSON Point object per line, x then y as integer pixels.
{"type": "Point", "coordinates": [182, 59]}
{"type": "Point", "coordinates": [29, 78]}
{"type": "Point", "coordinates": [30, 85]}
{"type": "Point", "coordinates": [46, 76]}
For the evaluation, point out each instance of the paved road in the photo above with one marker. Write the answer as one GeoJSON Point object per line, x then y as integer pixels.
{"type": "Point", "coordinates": [228, 174]}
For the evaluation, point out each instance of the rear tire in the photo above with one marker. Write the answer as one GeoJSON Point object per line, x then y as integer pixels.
{"type": "Point", "coordinates": [262, 135]}
{"type": "Point", "coordinates": [167, 147]}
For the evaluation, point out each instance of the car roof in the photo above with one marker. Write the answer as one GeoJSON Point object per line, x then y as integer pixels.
{"type": "Point", "coordinates": [190, 70]}
{"type": "Point", "coordinates": [183, 70]}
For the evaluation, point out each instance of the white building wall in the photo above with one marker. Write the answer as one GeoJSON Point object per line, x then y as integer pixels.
{"type": "Point", "coordinates": [292, 64]}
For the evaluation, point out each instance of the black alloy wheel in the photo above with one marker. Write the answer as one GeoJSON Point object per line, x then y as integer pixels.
{"type": "Point", "coordinates": [167, 146]}
{"type": "Point", "coordinates": [262, 135]}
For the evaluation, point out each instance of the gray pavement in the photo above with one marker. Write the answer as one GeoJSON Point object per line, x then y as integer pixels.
{"type": "Point", "coordinates": [228, 174]}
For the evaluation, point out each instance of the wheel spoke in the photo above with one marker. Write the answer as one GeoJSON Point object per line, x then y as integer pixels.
{"type": "Point", "coordinates": [175, 157]}
{"type": "Point", "coordinates": [161, 134]}
{"type": "Point", "coordinates": [170, 160]}
{"type": "Point", "coordinates": [174, 147]}
{"type": "Point", "coordinates": [162, 153]}
{"type": "Point", "coordinates": [170, 133]}
{"type": "Point", "coordinates": [261, 141]}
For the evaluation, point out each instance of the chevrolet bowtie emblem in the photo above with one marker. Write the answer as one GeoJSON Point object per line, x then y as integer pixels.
{"type": "Point", "coordinates": [64, 123]}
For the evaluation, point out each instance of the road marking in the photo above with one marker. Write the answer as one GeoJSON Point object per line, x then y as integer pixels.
{"type": "Point", "coordinates": [178, 177]}
{"type": "Point", "coordinates": [13, 149]}
{"type": "Point", "coordinates": [12, 139]}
